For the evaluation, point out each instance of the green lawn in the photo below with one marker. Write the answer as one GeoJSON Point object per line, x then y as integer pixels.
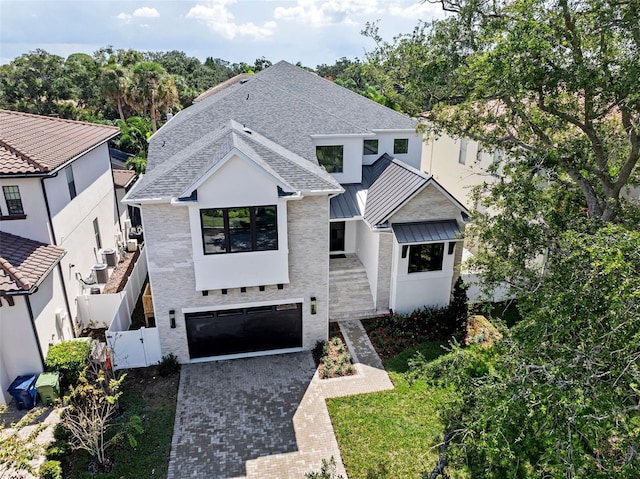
{"type": "Point", "coordinates": [153, 398]}
{"type": "Point", "coordinates": [391, 434]}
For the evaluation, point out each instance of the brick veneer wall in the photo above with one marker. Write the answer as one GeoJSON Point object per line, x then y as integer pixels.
{"type": "Point", "coordinates": [169, 250]}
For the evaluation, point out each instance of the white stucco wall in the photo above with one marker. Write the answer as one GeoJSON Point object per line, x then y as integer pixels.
{"type": "Point", "coordinates": [45, 303]}
{"type": "Point", "coordinates": [351, 160]}
{"type": "Point", "coordinates": [385, 145]}
{"type": "Point", "coordinates": [367, 245]}
{"type": "Point", "coordinates": [441, 159]}
{"type": "Point", "coordinates": [18, 347]}
{"type": "Point", "coordinates": [35, 225]}
{"type": "Point", "coordinates": [415, 290]}
{"type": "Point", "coordinates": [241, 269]}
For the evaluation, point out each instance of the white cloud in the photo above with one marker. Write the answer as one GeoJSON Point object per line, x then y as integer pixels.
{"type": "Point", "coordinates": [123, 16]}
{"type": "Point", "coordinates": [221, 21]}
{"type": "Point", "coordinates": [312, 12]}
{"type": "Point", "coordinates": [416, 10]}
{"type": "Point", "coordinates": [146, 12]}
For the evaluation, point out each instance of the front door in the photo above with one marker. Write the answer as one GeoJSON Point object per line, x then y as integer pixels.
{"type": "Point", "coordinates": [336, 235]}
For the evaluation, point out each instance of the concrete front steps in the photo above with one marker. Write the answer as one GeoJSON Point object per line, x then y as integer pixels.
{"type": "Point", "coordinates": [349, 292]}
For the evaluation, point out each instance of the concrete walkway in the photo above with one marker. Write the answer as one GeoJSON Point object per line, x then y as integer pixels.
{"type": "Point", "coordinates": [265, 417]}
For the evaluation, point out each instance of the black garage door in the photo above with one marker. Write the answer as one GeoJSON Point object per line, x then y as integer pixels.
{"type": "Point", "coordinates": [237, 331]}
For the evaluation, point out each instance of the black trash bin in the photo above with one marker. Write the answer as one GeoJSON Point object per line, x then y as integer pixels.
{"type": "Point", "coordinates": [23, 391]}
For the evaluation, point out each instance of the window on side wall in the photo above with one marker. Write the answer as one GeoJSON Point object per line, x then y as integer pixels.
{"type": "Point", "coordinates": [400, 146]}
{"type": "Point", "coordinates": [425, 257]}
{"type": "Point", "coordinates": [71, 182]}
{"type": "Point", "coordinates": [462, 157]}
{"type": "Point", "coordinates": [370, 147]}
{"type": "Point", "coordinates": [237, 230]}
{"type": "Point", "coordinates": [96, 232]}
{"type": "Point", "coordinates": [13, 199]}
{"type": "Point", "coordinates": [331, 157]}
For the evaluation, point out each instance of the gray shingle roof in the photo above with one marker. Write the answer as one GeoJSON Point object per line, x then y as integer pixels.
{"type": "Point", "coordinates": [285, 104]}
{"type": "Point", "coordinates": [427, 231]}
{"type": "Point", "coordinates": [175, 178]}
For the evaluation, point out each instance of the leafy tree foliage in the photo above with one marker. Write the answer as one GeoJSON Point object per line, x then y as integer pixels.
{"type": "Point", "coordinates": [554, 85]}
{"type": "Point", "coordinates": [559, 396]}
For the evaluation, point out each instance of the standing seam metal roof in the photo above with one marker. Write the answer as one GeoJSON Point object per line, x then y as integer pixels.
{"type": "Point", "coordinates": [427, 231]}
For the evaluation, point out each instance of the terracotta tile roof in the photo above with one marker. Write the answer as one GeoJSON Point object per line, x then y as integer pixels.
{"type": "Point", "coordinates": [37, 144]}
{"type": "Point", "coordinates": [24, 262]}
{"type": "Point", "coordinates": [123, 178]}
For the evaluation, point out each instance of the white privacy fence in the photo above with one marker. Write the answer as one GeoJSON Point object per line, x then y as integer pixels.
{"type": "Point", "coordinates": [128, 349]}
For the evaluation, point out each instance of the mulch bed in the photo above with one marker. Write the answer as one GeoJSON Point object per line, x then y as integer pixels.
{"type": "Point", "coordinates": [121, 273]}
{"type": "Point", "coordinates": [334, 354]}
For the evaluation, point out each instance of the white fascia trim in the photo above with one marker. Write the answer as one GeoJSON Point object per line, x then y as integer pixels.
{"type": "Point", "coordinates": [338, 220]}
{"type": "Point", "coordinates": [396, 130]}
{"type": "Point", "coordinates": [340, 135]}
{"type": "Point", "coordinates": [222, 307]}
{"type": "Point", "coordinates": [147, 201]}
{"type": "Point", "coordinates": [322, 192]}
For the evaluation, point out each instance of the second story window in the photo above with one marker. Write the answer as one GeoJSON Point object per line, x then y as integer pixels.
{"type": "Point", "coordinates": [400, 146]}
{"type": "Point", "coordinates": [71, 183]}
{"type": "Point", "coordinates": [331, 157]}
{"type": "Point", "coordinates": [96, 232]}
{"type": "Point", "coordinates": [13, 200]}
{"type": "Point", "coordinates": [237, 230]}
{"type": "Point", "coordinates": [370, 147]}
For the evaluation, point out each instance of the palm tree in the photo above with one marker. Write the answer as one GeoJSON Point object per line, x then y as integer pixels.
{"type": "Point", "coordinates": [152, 90]}
{"type": "Point", "coordinates": [114, 84]}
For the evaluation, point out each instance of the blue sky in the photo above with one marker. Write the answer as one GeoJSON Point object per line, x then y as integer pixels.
{"type": "Point", "coordinates": [310, 31]}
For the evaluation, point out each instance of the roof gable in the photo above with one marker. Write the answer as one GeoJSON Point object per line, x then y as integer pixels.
{"type": "Point", "coordinates": [31, 144]}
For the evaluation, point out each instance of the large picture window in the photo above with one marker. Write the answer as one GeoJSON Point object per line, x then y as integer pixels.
{"type": "Point", "coordinates": [425, 257]}
{"type": "Point", "coordinates": [331, 157]}
{"type": "Point", "coordinates": [237, 230]}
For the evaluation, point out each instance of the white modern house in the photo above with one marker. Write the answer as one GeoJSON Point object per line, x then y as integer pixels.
{"type": "Point", "coordinates": [57, 212]}
{"type": "Point", "coordinates": [280, 201]}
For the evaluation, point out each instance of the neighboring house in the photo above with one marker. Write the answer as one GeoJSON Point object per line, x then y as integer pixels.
{"type": "Point", "coordinates": [280, 201]}
{"type": "Point", "coordinates": [57, 211]}
{"type": "Point", "coordinates": [123, 180]}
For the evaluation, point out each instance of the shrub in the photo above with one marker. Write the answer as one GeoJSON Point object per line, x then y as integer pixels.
{"type": "Point", "coordinates": [70, 359]}
{"type": "Point", "coordinates": [51, 470]}
{"type": "Point", "coordinates": [168, 365]}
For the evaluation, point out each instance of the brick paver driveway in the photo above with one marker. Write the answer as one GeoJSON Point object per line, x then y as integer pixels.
{"type": "Point", "coordinates": [230, 412]}
{"type": "Point", "coordinates": [265, 417]}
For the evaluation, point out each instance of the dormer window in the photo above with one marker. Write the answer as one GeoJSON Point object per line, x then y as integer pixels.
{"type": "Point", "coordinates": [331, 157]}
{"type": "Point", "coordinates": [238, 230]}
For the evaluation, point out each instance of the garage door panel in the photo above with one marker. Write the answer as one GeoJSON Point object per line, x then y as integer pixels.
{"type": "Point", "coordinates": [244, 331]}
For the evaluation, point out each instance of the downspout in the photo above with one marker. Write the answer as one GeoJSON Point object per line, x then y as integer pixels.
{"type": "Point", "coordinates": [66, 300]}
{"type": "Point", "coordinates": [55, 243]}
{"type": "Point", "coordinates": [115, 194]}
{"type": "Point", "coordinates": [35, 331]}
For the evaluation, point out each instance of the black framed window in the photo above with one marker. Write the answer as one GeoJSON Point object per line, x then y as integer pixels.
{"type": "Point", "coordinates": [400, 146]}
{"type": "Point", "coordinates": [237, 230]}
{"type": "Point", "coordinates": [331, 157]}
{"type": "Point", "coordinates": [425, 257]}
{"type": "Point", "coordinates": [370, 147]}
{"type": "Point", "coordinates": [71, 182]}
{"type": "Point", "coordinates": [13, 199]}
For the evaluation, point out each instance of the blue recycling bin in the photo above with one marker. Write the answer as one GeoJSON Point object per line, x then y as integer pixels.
{"type": "Point", "coordinates": [23, 391]}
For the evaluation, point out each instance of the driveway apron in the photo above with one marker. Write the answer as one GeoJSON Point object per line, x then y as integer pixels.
{"type": "Point", "coordinates": [264, 417]}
